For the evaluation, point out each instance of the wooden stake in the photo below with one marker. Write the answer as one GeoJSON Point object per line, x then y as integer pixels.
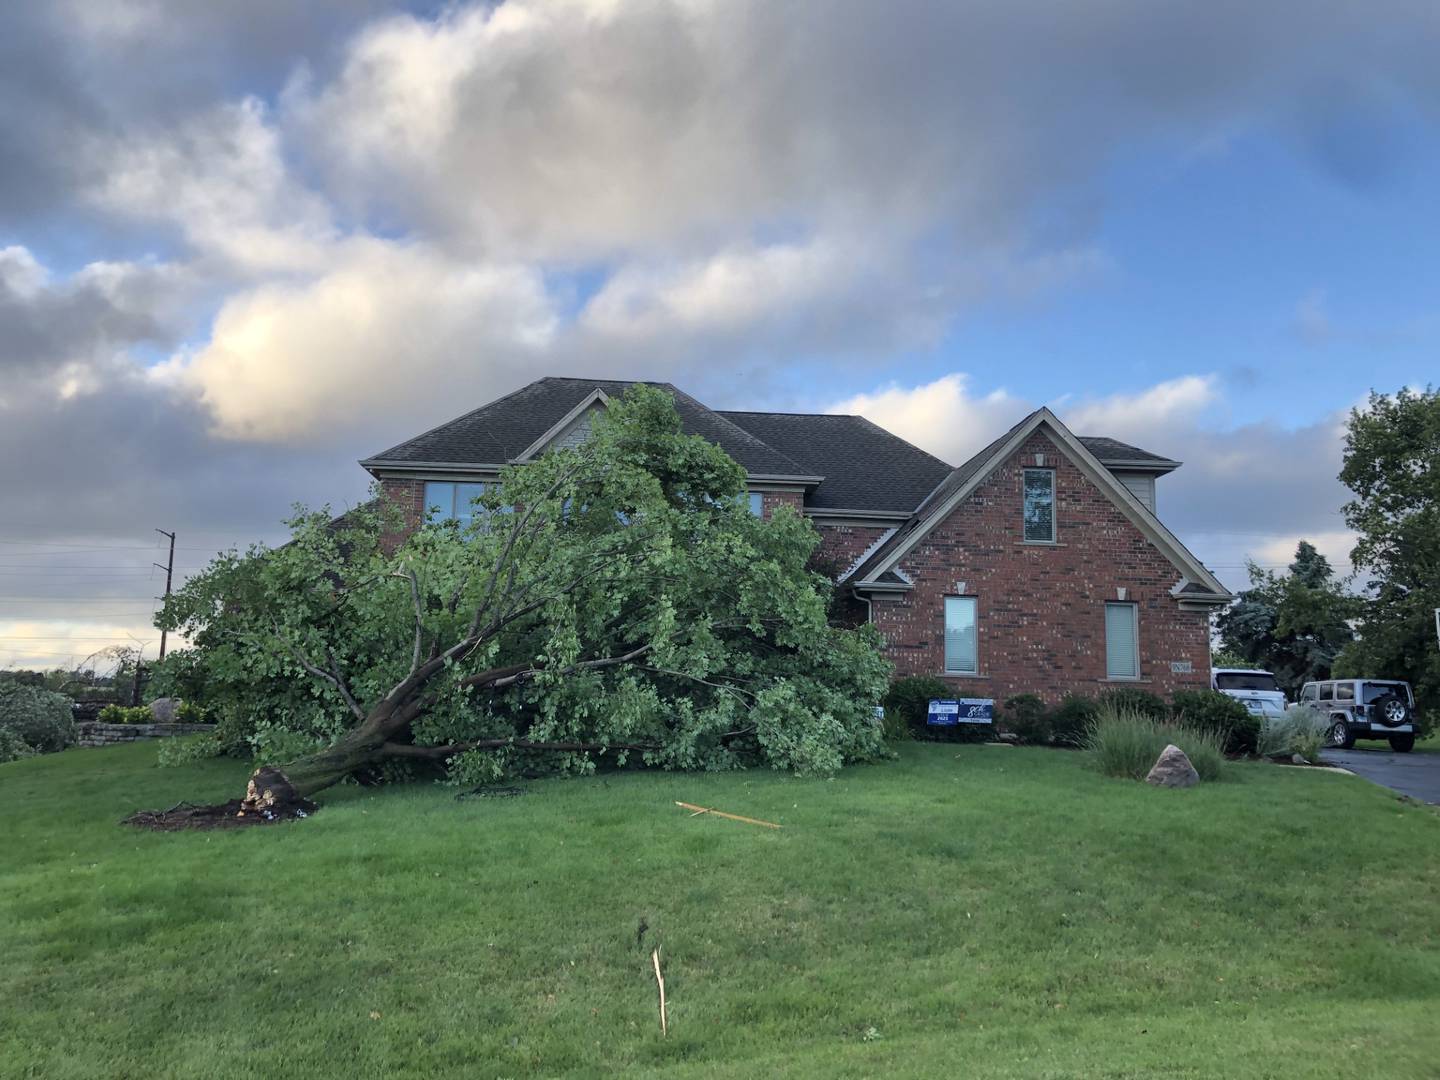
{"type": "Point", "coordinates": [660, 982]}
{"type": "Point", "coordinates": [721, 813]}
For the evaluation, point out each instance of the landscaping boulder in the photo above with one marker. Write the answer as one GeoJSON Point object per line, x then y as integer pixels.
{"type": "Point", "coordinates": [166, 710]}
{"type": "Point", "coordinates": [1172, 769]}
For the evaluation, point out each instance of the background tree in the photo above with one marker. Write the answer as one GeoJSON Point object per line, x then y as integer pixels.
{"type": "Point", "coordinates": [616, 599]}
{"type": "Point", "coordinates": [1392, 464]}
{"type": "Point", "coordinates": [1292, 624]}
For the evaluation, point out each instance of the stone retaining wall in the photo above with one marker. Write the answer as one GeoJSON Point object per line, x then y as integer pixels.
{"type": "Point", "coordinates": [98, 734]}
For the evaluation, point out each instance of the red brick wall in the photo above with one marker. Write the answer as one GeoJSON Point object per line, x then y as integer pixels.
{"type": "Point", "coordinates": [770, 501]}
{"type": "Point", "coordinates": [845, 543]}
{"type": "Point", "coordinates": [409, 496]}
{"type": "Point", "coordinates": [1042, 607]}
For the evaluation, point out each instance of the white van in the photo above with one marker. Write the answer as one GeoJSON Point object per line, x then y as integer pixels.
{"type": "Point", "coordinates": [1256, 690]}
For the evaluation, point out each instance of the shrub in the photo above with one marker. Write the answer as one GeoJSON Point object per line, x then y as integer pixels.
{"type": "Point", "coordinates": [41, 718]}
{"type": "Point", "coordinates": [1026, 716]}
{"type": "Point", "coordinates": [191, 713]}
{"type": "Point", "coordinates": [1211, 710]}
{"type": "Point", "coordinates": [894, 726]}
{"type": "Point", "coordinates": [12, 746]}
{"type": "Point", "coordinates": [1133, 699]}
{"type": "Point", "coordinates": [1300, 730]}
{"type": "Point", "coordinates": [1073, 718]}
{"type": "Point", "coordinates": [910, 697]}
{"type": "Point", "coordinates": [126, 714]}
{"type": "Point", "coordinates": [1125, 742]}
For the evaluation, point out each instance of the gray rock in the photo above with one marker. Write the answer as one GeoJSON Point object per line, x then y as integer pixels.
{"type": "Point", "coordinates": [166, 710]}
{"type": "Point", "coordinates": [1172, 769]}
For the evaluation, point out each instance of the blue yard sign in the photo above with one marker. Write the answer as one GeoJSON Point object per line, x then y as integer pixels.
{"type": "Point", "coordinates": [961, 711]}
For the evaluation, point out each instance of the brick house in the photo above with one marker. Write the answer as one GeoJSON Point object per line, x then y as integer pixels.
{"type": "Point", "coordinates": [1038, 565]}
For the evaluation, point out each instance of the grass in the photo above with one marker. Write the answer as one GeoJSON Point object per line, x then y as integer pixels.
{"type": "Point", "coordinates": [970, 910]}
{"type": "Point", "coordinates": [1126, 743]}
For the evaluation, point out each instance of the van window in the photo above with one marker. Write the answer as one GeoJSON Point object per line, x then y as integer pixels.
{"type": "Point", "coordinates": [1237, 680]}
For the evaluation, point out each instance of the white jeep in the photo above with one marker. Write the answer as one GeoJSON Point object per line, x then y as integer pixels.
{"type": "Point", "coordinates": [1364, 709]}
{"type": "Point", "coordinates": [1256, 690]}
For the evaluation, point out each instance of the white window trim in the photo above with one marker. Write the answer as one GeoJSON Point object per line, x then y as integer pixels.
{"type": "Point", "coordinates": [1135, 631]}
{"type": "Point", "coordinates": [1054, 524]}
{"type": "Point", "coordinates": [945, 630]}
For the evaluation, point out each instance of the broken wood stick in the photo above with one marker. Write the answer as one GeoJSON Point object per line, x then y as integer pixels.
{"type": "Point", "coordinates": [721, 813]}
{"type": "Point", "coordinates": [660, 982]}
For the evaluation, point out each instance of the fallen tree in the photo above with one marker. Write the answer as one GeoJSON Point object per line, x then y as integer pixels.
{"type": "Point", "coordinates": [609, 600]}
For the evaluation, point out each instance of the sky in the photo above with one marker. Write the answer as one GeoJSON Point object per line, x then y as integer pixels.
{"type": "Point", "coordinates": [243, 246]}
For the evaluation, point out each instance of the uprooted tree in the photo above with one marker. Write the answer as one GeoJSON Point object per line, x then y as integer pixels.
{"type": "Point", "coordinates": [615, 598]}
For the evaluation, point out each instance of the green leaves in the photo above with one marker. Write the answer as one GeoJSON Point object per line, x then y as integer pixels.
{"type": "Point", "coordinates": [627, 598]}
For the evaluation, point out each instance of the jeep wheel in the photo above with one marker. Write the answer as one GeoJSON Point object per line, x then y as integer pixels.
{"type": "Point", "coordinates": [1339, 735]}
{"type": "Point", "coordinates": [1392, 710]}
{"type": "Point", "coordinates": [1402, 744]}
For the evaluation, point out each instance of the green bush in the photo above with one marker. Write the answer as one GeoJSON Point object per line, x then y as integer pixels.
{"type": "Point", "coordinates": [1073, 718]}
{"type": "Point", "coordinates": [895, 726]}
{"type": "Point", "coordinates": [1026, 716]}
{"type": "Point", "coordinates": [191, 713]}
{"type": "Point", "coordinates": [1300, 730]}
{"type": "Point", "coordinates": [1210, 710]}
{"type": "Point", "coordinates": [12, 746]}
{"type": "Point", "coordinates": [127, 714]}
{"type": "Point", "coordinates": [910, 697]}
{"type": "Point", "coordinates": [1134, 699]}
{"type": "Point", "coordinates": [41, 718]}
{"type": "Point", "coordinates": [1125, 742]}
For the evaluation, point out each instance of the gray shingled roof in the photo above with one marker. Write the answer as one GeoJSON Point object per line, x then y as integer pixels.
{"type": "Point", "coordinates": [865, 467]}
{"type": "Point", "coordinates": [503, 429]}
{"type": "Point", "coordinates": [1114, 452]}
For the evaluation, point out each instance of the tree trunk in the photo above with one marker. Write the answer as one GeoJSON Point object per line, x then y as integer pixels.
{"type": "Point", "coordinates": [282, 785]}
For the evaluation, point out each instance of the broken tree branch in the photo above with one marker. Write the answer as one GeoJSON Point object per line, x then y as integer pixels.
{"type": "Point", "coordinates": [660, 982]}
{"type": "Point", "coordinates": [721, 813]}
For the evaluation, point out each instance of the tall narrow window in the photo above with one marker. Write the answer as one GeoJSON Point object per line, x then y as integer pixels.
{"type": "Point", "coordinates": [962, 656]}
{"type": "Point", "coordinates": [757, 503]}
{"type": "Point", "coordinates": [1122, 641]}
{"type": "Point", "coordinates": [1040, 505]}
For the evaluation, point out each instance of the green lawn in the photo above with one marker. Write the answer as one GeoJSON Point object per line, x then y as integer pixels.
{"type": "Point", "coordinates": [978, 911]}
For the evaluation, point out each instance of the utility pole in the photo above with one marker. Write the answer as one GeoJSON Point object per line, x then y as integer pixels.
{"type": "Point", "coordinates": [169, 569]}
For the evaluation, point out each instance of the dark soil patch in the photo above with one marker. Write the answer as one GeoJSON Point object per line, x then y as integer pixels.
{"type": "Point", "coordinates": [228, 815]}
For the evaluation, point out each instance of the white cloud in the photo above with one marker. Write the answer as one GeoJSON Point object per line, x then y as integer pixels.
{"type": "Point", "coordinates": [221, 178]}
{"type": "Point", "coordinates": [943, 416]}
{"type": "Point", "coordinates": [392, 330]}
{"type": "Point", "coordinates": [1152, 412]}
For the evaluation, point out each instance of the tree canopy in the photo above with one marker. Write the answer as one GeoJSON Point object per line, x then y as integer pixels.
{"type": "Point", "coordinates": [614, 600]}
{"type": "Point", "coordinates": [1392, 465]}
{"type": "Point", "coordinates": [1292, 624]}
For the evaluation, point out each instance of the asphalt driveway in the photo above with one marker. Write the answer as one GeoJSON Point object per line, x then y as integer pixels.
{"type": "Point", "coordinates": [1416, 774]}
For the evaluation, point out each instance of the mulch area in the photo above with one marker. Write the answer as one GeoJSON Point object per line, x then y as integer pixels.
{"type": "Point", "coordinates": [228, 815]}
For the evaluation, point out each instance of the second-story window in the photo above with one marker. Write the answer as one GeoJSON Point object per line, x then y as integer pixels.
{"type": "Point", "coordinates": [757, 503]}
{"type": "Point", "coordinates": [445, 501]}
{"type": "Point", "coordinates": [1040, 506]}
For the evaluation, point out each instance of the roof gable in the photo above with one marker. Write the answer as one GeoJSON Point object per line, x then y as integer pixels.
{"type": "Point", "coordinates": [967, 477]}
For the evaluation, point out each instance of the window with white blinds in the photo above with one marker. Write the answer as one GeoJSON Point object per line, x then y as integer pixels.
{"type": "Point", "coordinates": [962, 655]}
{"type": "Point", "coordinates": [1122, 641]}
